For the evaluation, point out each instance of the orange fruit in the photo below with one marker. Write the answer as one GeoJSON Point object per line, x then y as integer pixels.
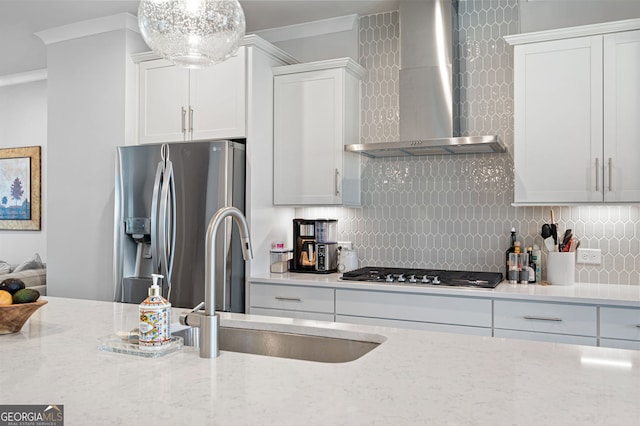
{"type": "Point", "coordinates": [5, 298]}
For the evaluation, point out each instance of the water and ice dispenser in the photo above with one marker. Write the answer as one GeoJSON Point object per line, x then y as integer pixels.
{"type": "Point", "coordinates": [138, 266]}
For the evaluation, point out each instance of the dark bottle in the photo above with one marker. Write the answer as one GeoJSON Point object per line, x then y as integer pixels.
{"type": "Point", "coordinates": [511, 249]}
{"type": "Point", "coordinates": [532, 265]}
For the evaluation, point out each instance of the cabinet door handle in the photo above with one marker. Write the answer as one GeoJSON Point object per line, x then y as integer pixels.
{"type": "Point", "coordinates": [638, 325]}
{"type": "Point", "coordinates": [536, 318]}
{"type": "Point", "coordinates": [610, 174]}
{"type": "Point", "coordinates": [191, 120]}
{"type": "Point", "coordinates": [337, 182]}
{"type": "Point", "coordinates": [184, 118]}
{"type": "Point", "coordinates": [597, 174]}
{"type": "Point", "coordinates": [289, 299]}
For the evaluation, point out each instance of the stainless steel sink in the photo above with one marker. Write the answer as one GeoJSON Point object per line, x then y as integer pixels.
{"type": "Point", "coordinates": [305, 347]}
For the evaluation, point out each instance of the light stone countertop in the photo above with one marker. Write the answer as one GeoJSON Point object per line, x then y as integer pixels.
{"type": "Point", "coordinates": [413, 378]}
{"type": "Point", "coordinates": [597, 294]}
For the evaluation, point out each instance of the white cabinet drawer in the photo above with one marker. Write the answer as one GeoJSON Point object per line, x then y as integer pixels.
{"type": "Point", "coordinates": [415, 325]}
{"type": "Point", "coordinates": [620, 323]}
{"type": "Point", "coordinates": [545, 317]}
{"type": "Point", "coordinates": [620, 344]}
{"type": "Point", "coordinates": [294, 298]}
{"type": "Point", "coordinates": [414, 307]}
{"type": "Point", "coordinates": [546, 337]}
{"type": "Point", "coordinates": [316, 316]}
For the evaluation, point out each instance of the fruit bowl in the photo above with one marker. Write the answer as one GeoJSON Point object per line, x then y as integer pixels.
{"type": "Point", "coordinates": [13, 317]}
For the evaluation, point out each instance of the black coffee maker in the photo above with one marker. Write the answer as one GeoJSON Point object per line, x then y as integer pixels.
{"type": "Point", "coordinates": [304, 246]}
{"type": "Point", "coordinates": [314, 246]}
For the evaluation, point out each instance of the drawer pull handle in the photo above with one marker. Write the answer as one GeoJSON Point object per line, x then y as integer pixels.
{"type": "Point", "coordinates": [289, 299]}
{"type": "Point", "coordinates": [638, 325]}
{"type": "Point", "coordinates": [530, 317]}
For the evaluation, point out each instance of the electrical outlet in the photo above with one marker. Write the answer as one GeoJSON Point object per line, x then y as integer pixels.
{"type": "Point", "coordinates": [590, 256]}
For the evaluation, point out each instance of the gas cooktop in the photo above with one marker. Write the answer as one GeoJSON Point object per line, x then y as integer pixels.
{"type": "Point", "coordinates": [431, 277]}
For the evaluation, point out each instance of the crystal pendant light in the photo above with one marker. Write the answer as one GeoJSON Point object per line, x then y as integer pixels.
{"type": "Point", "coordinates": [192, 33]}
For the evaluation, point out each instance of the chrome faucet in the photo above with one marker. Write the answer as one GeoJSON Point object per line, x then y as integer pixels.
{"type": "Point", "coordinates": [208, 321]}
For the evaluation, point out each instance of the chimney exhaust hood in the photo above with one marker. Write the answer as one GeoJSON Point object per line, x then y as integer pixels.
{"type": "Point", "coordinates": [427, 121]}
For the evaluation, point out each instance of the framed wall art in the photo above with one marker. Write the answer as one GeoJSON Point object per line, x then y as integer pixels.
{"type": "Point", "coordinates": [20, 204]}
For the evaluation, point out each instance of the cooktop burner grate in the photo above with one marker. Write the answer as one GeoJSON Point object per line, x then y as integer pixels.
{"type": "Point", "coordinates": [435, 277]}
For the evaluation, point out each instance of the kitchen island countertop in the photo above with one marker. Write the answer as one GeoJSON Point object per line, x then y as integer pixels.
{"type": "Point", "coordinates": [414, 377]}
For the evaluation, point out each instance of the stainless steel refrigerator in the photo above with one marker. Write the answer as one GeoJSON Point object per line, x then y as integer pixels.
{"type": "Point", "coordinates": [165, 195]}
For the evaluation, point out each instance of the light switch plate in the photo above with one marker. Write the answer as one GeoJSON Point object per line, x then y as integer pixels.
{"type": "Point", "coordinates": [589, 256]}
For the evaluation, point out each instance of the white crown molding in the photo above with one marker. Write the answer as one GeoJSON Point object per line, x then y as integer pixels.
{"type": "Point", "coordinates": [309, 29]}
{"type": "Point", "coordinates": [251, 40]}
{"type": "Point", "coordinates": [579, 31]}
{"type": "Point", "coordinates": [347, 63]}
{"type": "Point", "coordinates": [89, 27]}
{"type": "Point", "coordinates": [23, 77]}
{"type": "Point", "coordinates": [258, 42]}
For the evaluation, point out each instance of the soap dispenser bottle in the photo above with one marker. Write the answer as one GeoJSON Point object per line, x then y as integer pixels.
{"type": "Point", "coordinates": [155, 317]}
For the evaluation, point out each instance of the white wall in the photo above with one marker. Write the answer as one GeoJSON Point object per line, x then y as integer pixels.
{"type": "Point", "coordinates": [538, 15]}
{"type": "Point", "coordinates": [88, 110]}
{"type": "Point", "coordinates": [318, 48]}
{"type": "Point", "coordinates": [318, 40]}
{"type": "Point", "coordinates": [23, 122]}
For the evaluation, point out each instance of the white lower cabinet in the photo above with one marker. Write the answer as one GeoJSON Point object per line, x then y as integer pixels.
{"type": "Point", "coordinates": [292, 301]}
{"type": "Point", "coordinates": [551, 322]}
{"type": "Point", "coordinates": [415, 325]}
{"type": "Point", "coordinates": [620, 327]}
{"type": "Point", "coordinates": [557, 322]}
{"type": "Point", "coordinates": [467, 315]}
{"type": "Point", "coordinates": [546, 337]}
{"type": "Point", "coordinates": [316, 316]}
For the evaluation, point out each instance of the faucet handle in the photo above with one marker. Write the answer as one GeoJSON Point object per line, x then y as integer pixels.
{"type": "Point", "coordinates": [198, 307]}
{"type": "Point", "coordinates": [247, 249]}
{"type": "Point", "coordinates": [185, 314]}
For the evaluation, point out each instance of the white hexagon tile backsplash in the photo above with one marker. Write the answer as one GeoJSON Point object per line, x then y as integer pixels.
{"type": "Point", "coordinates": [455, 212]}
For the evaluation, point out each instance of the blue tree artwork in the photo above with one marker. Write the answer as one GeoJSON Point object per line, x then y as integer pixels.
{"type": "Point", "coordinates": [15, 184]}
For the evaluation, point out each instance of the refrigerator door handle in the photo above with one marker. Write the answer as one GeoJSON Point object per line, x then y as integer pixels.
{"type": "Point", "coordinates": [167, 223]}
{"type": "Point", "coordinates": [155, 251]}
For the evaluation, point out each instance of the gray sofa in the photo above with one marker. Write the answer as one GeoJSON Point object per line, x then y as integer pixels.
{"type": "Point", "coordinates": [32, 272]}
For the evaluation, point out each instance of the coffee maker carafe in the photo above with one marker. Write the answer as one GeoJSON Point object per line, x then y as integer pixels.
{"type": "Point", "coordinates": [315, 247]}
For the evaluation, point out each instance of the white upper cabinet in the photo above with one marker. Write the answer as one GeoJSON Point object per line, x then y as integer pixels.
{"type": "Point", "coordinates": [177, 103]}
{"type": "Point", "coordinates": [316, 113]}
{"type": "Point", "coordinates": [577, 99]}
{"type": "Point", "coordinates": [621, 156]}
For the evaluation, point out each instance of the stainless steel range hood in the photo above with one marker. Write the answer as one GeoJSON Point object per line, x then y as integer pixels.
{"type": "Point", "coordinates": [427, 120]}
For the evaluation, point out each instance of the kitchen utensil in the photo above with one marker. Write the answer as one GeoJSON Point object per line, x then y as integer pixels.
{"type": "Point", "coordinates": [554, 228]}
{"type": "Point", "coordinates": [550, 244]}
{"type": "Point", "coordinates": [566, 238]}
{"type": "Point", "coordinates": [572, 245]}
{"type": "Point", "coordinates": [546, 231]}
